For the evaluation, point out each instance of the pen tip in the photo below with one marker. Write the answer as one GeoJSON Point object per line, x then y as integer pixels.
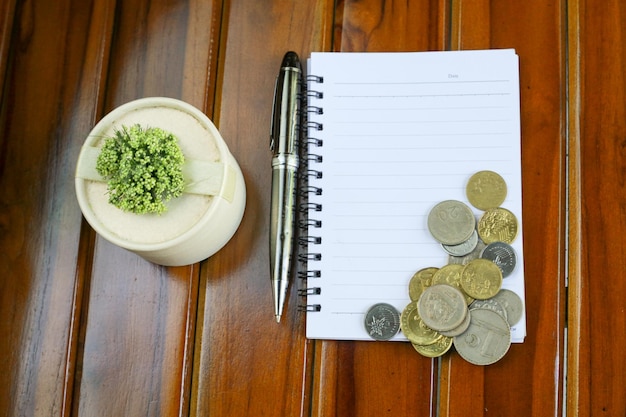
{"type": "Point", "coordinates": [277, 318]}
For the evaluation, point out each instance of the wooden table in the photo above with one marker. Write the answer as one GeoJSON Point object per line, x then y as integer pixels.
{"type": "Point", "coordinates": [89, 329]}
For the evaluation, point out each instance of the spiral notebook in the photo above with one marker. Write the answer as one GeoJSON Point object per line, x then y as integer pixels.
{"type": "Point", "coordinates": [390, 136]}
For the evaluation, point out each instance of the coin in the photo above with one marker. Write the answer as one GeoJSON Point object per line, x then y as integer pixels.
{"type": "Point", "coordinates": [485, 190]}
{"type": "Point", "coordinates": [442, 307]}
{"type": "Point", "coordinates": [382, 321]}
{"type": "Point", "coordinates": [464, 260]}
{"type": "Point", "coordinates": [497, 224]}
{"type": "Point", "coordinates": [486, 340]}
{"type": "Point", "coordinates": [440, 347]}
{"type": "Point", "coordinates": [501, 254]}
{"type": "Point", "coordinates": [420, 280]}
{"type": "Point", "coordinates": [489, 304]}
{"type": "Point", "coordinates": [451, 274]}
{"type": "Point", "coordinates": [463, 303]}
{"type": "Point", "coordinates": [451, 222]}
{"type": "Point", "coordinates": [414, 327]}
{"type": "Point", "coordinates": [512, 303]}
{"type": "Point", "coordinates": [460, 329]}
{"type": "Point", "coordinates": [481, 279]}
{"type": "Point", "coordinates": [464, 248]}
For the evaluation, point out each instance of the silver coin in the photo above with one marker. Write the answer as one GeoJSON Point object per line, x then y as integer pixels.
{"type": "Point", "coordinates": [382, 321]}
{"type": "Point", "coordinates": [486, 340]}
{"type": "Point", "coordinates": [490, 304]}
{"type": "Point", "coordinates": [451, 222]}
{"type": "Point", "coordinates": [460, 329]}
{"type": "Point", "coordinates": [442, 307]}
{"type": "Point", "coordinates": [464, 248]}
{"type": "Point", "coordinates": [464, 260]}
{"type": "Point", "coordinates": [512, 303]}
{"type": "Point", "coordinates": [503, 255]}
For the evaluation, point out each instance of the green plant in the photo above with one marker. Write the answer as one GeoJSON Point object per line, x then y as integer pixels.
{"type": "Point", "coordinates": [143, 168]}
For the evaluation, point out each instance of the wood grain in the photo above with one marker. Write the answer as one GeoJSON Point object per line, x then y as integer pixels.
{"type": "Point", "coordinates": [577, 392]}
{"type": "Point", "coordinates": [375, 25]}
{"type": "Point", "coordinates": [87, 328]}
{"type": "Point", "coordinates": [534, 368]}
{"type": "Point", "coordinates": [138, 324]}
{"type": "Point", "coordinates": [246, 363]}
{"type": "Point", "coordinates": [598, 142]}
{"type": "Point", "coordinates": [7, 17]}
{"type": "Point", "coordinates": [49, 103]}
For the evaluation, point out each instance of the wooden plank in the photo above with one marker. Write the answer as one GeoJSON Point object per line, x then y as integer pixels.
{"type": "Point", "coordinates": [372, 379]}
{"type": "Point", "coordinates": [577, 392]}
{"type": "Point", "coordinates": [471, 23]}
{"type": "Point", "coordinates": [7, 17]}
{"type": "Point", "coordinates": [365, 378]}
{"type": "Point", "coordinates": [50, 102]}
{"type": "Point", "coordinates": [133, 353]}
{"type": "Point", "coordinates": [528, 378]}
{"type": "Point", "coordinates": [597, 247]}
{"type": "Point", "coordinates": [246, 364]}
{"type": "Point", "coordinates": [139, 318]}
{"type": "Point", "coordinates": [374, 25]}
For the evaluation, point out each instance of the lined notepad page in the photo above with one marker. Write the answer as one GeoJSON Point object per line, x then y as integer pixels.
{"type": "Point", "coordinates": [402, 132]}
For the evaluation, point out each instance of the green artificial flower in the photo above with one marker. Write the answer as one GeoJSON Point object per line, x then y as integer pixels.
{"type": "Point", "coordinates": [143, 169]}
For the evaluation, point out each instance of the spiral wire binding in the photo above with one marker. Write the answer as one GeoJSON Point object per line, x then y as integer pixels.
{"type": "Point", "coordinates": [309, 308]}
{"type": "Point", "coordinates": [310, 170]}
{"type": "Point", "coordinates": [311, 190]}
{"type": "Point", "coordinates": [310, 291]}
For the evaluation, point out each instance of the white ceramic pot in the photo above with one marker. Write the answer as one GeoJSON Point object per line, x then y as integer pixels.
{"type": "Point", "coordinates": [197, 224]}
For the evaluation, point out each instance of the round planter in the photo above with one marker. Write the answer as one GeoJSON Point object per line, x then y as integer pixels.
{"type": "Point", "coordinates": [195, 225]}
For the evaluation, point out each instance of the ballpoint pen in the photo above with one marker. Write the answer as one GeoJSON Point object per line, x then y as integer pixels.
{"type": "Point", "coordinates": [284, 142]}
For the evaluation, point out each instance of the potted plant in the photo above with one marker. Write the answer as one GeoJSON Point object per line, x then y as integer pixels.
{"type": "Point", "coordinates": [155, 177]}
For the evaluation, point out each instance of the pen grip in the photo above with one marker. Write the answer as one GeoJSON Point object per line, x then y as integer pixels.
{"type": "Point", "coordinates": [282, 228]}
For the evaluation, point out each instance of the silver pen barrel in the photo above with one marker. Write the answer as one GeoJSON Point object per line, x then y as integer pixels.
{"type": "Point", "coordinates": [284, 179]}
{"type": "Point", "coordinates": [284, 142]}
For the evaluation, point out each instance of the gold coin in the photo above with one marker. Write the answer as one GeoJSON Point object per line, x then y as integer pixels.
{"type": "Point", "coordinates": [498, 225]}
{"type": "Point", "coordinates": [414, 328]}
{"type": "Point", "coordinates": [451, 274]}
{"type": "Point", "coordinates": [481, 279]}
{"type": "Point", "coordinates": [440, 347]}
{"type": "Point", "coordinates": [420, 280]}
{"type": "Point", "coordinates": [485, 190]}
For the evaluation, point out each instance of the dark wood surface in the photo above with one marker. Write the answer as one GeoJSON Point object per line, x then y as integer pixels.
{"type": "Point", "coordinates": [89, 329]}
{"type": "Point", "coordinates": [598, 195]}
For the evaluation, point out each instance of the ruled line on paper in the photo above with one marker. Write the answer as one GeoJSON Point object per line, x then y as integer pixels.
{"type": "Point", "coordinates": [403, 83]}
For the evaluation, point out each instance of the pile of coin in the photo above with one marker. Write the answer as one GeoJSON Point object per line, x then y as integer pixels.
{"type": "Point", "coordinates": [462, 303]}
{"type": "Point", "coordinates": [464, 306]}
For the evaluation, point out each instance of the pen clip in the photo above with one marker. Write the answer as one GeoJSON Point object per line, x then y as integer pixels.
{"type": "Point", "coordinates": [274, 113]}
